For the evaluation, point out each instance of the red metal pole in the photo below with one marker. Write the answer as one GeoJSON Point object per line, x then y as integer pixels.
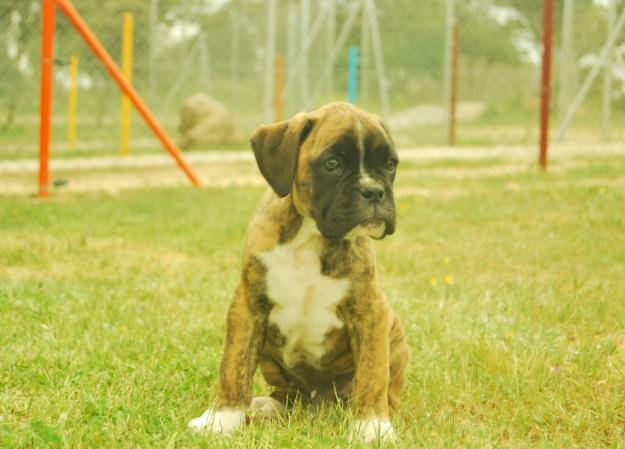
{"type": "Point", "coordinates": [546, 82]}
{"type": "Point", "coordinates": [453, 98]}
{"type": "Point", "coordinates": [45, 105]}
{"type": "Point", "coordinates": [110, 65]}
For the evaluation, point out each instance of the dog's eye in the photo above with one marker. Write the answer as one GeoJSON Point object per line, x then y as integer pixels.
{"type": "Point", "coordinates": [391, 165]}
{"type": "Point", "coordinates": [331, 164]}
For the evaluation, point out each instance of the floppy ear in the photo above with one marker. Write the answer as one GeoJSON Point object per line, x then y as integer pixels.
{"type": "Point", "coordinates": [276, 148]}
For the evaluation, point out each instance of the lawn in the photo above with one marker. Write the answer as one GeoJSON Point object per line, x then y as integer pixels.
{"type": "Point", "coordinates": [511, 284]}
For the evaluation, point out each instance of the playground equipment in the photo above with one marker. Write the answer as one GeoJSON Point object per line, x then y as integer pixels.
{"type": "Point", "coordinates": [72, 103]}
{"type": "Point", "coordinates": [47, 57]}
{"type": "Point", "coordinates": [124, 112]}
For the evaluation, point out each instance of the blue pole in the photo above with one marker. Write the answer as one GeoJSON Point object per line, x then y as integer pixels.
{"type": "Point", "coordinates": [352, 74]}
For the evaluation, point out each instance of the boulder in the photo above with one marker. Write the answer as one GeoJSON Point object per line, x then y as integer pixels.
{"type": "Point", "coordinates": [205, 121]}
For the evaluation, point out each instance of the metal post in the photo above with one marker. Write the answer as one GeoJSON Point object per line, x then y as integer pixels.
{"type": "Point", "coordinates": [234, 56]}
{"type": "Point", "coordinates": [153, 48]}
{"type": "Point", "coordinates": [291, 55]}
{"type": "Point", "coordinates": [546, 82]}
{"type": "Point", "coordinates": [72, 102]}
{"type": "Point", "coordinates": [378, 54]}
{"type": "Point", "coordinates": [352, 75]}
{"type": "Point", "coordinates": [330, 38]}
{"type": "Point", "coordinates": [303, 54]}
{"type": "Point", "coordinates": [607, 73]}
{"type": "Point", "coordinates": [453, 98]}
{"type": "Point", "coordinates": [45, 106]}
{"type": "Point", "coordinates": [126, 66]}
{"type": "Point", "coordinates": [270, 57]}
{"type": "Point", "coordinates": [365, 51]}
{"type": "Point", "coordinates": [567, 65]}
{"type": "Point", "coordinates": [278, 88]}
{"type": "Point", "coordinates": [450, 18]}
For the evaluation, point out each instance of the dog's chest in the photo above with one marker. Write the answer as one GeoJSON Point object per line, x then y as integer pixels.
{"type": "Point", "coordinates": [304, 300]}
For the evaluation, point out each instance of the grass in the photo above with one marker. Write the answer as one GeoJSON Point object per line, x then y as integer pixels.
{"type": "Point", "coordinates": [512, 291]}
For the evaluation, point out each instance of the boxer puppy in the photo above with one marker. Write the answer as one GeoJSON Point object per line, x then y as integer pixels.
{"type": "Point", "coordinates": [308, 309]}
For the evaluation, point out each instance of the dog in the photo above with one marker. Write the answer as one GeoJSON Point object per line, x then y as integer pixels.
{"type": "Point", "coordinates": [308, 309]}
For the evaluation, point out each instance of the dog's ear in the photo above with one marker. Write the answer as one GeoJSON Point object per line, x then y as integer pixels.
{"type": "Point", "coordinates": [276, 148]}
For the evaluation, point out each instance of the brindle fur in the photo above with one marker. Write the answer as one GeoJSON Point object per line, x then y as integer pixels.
{"type": "Point", "coordinates": [364, 361]}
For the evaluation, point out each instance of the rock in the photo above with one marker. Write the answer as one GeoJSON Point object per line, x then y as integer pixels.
{"type": "Point", "coordinates": [205, 121]}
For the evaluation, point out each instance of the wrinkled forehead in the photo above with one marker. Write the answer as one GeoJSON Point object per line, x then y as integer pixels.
{"type": "Point", "coordinates": [349, 128]}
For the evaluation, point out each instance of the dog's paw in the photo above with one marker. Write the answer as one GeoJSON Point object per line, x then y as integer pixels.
{"type": "Point", "coordinates": [266, 407]}
{"type": "Point", "coordinates": [372, 430]}
{"type": "Point", "coordinates": [218, 421]}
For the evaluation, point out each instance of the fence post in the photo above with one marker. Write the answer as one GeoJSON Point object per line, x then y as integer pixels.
{"type": "Point", "coordinates": [352, 74]}
{"type": "Point", "coordinates": [270, 57]}
{"type": "Point", "coordinates": [453, 97]}
{"type": "Point", "coordinates": [126, 66]}
{"type": "Point", "coordinates": [450, 18]}
{"type": "Point", "coordinates": [278, 88]}
{"type": "Point", "coordinates": [607, 73]}
{"type": "Point", "coordinates": [45, 107]}
{"type": "Point", "coordinates": [546, 82]}
{"type": "Point", "coordinates": [153, 49]}
{"type": "Point", "coordinates": [72, 102]}
{"type": "Point", "coordinates": [304, 28]}
{"type": "Point", "coordinates": [567, 64]}
{"type": "Point", "coordinates": [330, 38]}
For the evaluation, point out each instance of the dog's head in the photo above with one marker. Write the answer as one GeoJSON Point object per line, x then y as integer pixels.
{"type": "Point", "coordinates": [338, 163]}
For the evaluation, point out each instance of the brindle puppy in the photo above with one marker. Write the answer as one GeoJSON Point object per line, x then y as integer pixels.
{"type": "Point", "coordinates": [308, 308]}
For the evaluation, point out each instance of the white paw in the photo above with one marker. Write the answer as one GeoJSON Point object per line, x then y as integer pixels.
{"type": "Point", "coordinates": [218, 421]}
{"type": "Point", "coordinates": [371, 430]}
{"type": "Point", "coordinates": [266, 407]}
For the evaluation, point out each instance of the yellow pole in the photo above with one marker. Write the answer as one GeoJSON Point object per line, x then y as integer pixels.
{"type": "Point", "coordinates": [72, 102]}
{"type": "Point", "coordinates": [127, 44]}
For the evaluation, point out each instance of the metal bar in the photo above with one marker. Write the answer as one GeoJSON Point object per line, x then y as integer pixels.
{"type": "Point", "coordinates": [352, 74]}
{"type": "Point", "coordinates": [546, 82]}
{"type": "Point", "coordinates": [304, 28]}
{"type": "Point", "coordinates": [153, 49]}
{"type": "Point", "coordinates": [76, 20]}
{"type": "Point", "coordinates": [453, 98]}
{"type": "Point", "coordinates": [330, 38]}
{"type": "Point", "coordinates": [72, 102]}
{"type": "Point", "coordinates": [365, 51]}
{"type": "Point", "coordinates": [291, 56]}
{"type": "Point", "coordinates": [124, 108]}
{"type": "Point", "coordinates": [450, 17]}
{"type": "Point", "coordinates": [278, 88]}
{"type": "Point", "coordinates": [270, 57]}
{"type": "Point", "coordinates": [567, 65]}
{"type": "Point", "coordinates": [45, 106]}
{"type": "Point", "coordinates": [378, 55]}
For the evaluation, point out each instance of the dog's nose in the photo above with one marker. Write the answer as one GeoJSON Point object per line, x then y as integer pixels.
{"type": "Point", "coordinates": [372, 193]}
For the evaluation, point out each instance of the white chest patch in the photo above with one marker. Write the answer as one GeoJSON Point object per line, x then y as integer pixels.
{"type": "Point", "coordinates": [304, 300]}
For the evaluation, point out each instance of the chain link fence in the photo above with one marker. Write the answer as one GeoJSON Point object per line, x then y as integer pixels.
{"type": "Point", "coordinates": [220, 48]}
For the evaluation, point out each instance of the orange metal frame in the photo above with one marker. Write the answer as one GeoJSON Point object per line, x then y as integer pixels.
{"type": "Point", "coordinates": [47, 56]}
{"type": "Point", "coordinates": [546, 83]}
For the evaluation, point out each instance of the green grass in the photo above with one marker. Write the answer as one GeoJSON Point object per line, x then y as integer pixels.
{"type": "Point", "coordinates": [512, 290]}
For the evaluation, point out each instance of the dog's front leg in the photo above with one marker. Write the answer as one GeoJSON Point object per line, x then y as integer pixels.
{"type": "Point", "coordinates": [244, 332]}
{"type": "Point", "coordinates": [369, 335]}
